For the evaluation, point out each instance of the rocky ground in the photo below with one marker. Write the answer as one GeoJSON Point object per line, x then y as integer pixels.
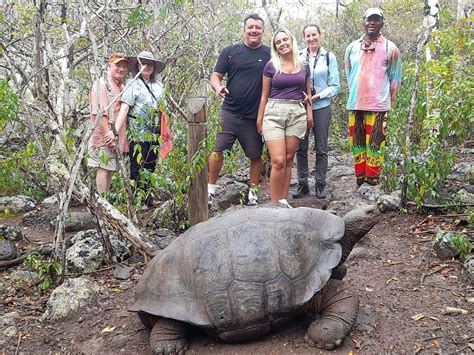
{"type": "Point", "coordinates": [411, 301]}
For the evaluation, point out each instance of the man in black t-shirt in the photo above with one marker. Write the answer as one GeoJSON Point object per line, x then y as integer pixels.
{"type": "Point", "coordinates": [243, 63]}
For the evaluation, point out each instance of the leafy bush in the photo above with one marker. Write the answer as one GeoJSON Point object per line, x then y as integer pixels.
{"type": "Point", "coordinates": [443, 117]}
{"type": "Point", "coordinates": [47, 271]}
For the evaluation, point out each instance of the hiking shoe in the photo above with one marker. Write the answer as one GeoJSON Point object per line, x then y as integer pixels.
{"type": "Point", "coordinates": [301, 191]}
{"type": "Point", "coordinates": [253, 201]}
{"type": "Point", "coordinates": [285, 203]}
{"type": "Point", "coordinates": [210, 198]}
{"type": "Point", "coordinates": [252, 197]}
{"type": "Point", "coordinates": [320, 193]}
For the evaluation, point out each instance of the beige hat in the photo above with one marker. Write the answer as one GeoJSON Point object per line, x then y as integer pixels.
{"type": "Point", "coordinates": [145, 55]}
{"type": "Point", "coordinates": [373, 11]}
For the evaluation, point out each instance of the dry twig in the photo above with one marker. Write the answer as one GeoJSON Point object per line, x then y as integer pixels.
{"type": "Point", "coordinates": [438, 269]}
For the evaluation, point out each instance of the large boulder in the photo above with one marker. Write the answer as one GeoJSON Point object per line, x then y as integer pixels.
{"type": "Point", "coordinates": [68, 298]}
{"type": "Point", "coordinates": [8, 328]}
{"type": "Point", "coordinates": [85, 252]}
{"type": "Point", "coordinates": [16, 204]}
{"type": "Point", "coordinates": [11, 233]}
{"type": "Point", "coordinates": [78, 221]}
{"type": "Point", "coordinates": [7, 250]}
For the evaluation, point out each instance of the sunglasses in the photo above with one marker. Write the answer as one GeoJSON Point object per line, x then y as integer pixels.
{"type": "Point", "coordinates": [367, 46]}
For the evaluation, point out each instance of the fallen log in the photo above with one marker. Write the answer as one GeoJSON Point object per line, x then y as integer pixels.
{"type": "Point", "coordinates": [109, 215]}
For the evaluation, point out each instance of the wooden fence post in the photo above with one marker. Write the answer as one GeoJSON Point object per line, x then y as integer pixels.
{"type": "Point", "coordinates": [197, 132]}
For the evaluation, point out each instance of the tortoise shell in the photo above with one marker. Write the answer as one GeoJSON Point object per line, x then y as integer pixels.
{"type": "Point", "coordinates": [248, 266]}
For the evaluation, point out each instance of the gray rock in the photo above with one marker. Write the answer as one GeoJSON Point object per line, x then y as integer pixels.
{"type": "Point", "coordinates": [332, 161]}
{"type": "Point", "coordinates": [10, 331]}
{"type": "Point", "coordinates": [79, 221]}
{"type": "Point", "coordinates": [51, 200]}
{"type": "Point", "coordinates": [123, 272]}
{"type": "Point", "coordinates": [366, 319]}
{"type": "Point", "coordinates": [463, 172]}
{"type": "Point", "coordinates": [43, 214]}
{"type": "Point", "coordinates": [469, 265]}
{"type": "Point", "coordinates": [8, 319]}
{"type": "Point", "coordinates": [363, 253]}
{"type": "Point", "coordinates": [10, 232]}
{"type": "Point", "coordinates": [8, 327]}
{"type": "Point", "coordinates": [16, 204]}
{"type": "Point", "coordinates": [341, 207]}
{"type": "Point", "coordinates": [85, 252]}
{"type": "Point", "coordinates": [68, 298]}
{"type": "Point", "coordinates": [466, 197]}
{"type": "Point", "coordinates": [161, 215]}
{"type": "Point", "coordinates": [338, 171]}
{"type": "Point", "coordinates": [28, 277]}
{"type": "Point", "coordinates": [231, 194]}
{"type": "Point", "coordinates": [163, 237]}
{"type": "Point", "coordinates": [369, 192]}
{"type": "Point", "coordinates": [387, 203]}
{"type": "Point", "coordinates": [241, 175]}
{"type": "Point", "coordinates": [443, 245]}
{"type": "Point", "coordinates": [7, 250]}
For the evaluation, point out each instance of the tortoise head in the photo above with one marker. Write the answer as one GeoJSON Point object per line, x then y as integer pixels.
{"type": "Point", "coordinates": [358, 223]}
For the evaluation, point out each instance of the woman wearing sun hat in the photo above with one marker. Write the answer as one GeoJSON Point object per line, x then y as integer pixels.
{"type": "Point", "coordinates": [140, 109]}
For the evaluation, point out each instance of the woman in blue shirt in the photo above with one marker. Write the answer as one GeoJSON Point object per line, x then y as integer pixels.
{"type": "Point", "coordinates": [324, 86]}
{"type": "Point", "coordinates": [140, 111]}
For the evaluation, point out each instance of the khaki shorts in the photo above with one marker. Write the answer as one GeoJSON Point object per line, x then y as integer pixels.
{"type": "Point", "coordinates": [103, 158]}
{"type": "Point", "coordinates": [284, 118]}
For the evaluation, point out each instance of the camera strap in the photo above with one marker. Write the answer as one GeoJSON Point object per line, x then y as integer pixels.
{"type": "Point", "coordinates": [315, 62]}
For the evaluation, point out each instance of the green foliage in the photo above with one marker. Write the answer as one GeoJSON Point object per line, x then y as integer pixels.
{"type": "Point", "coordinates": [22, 173]}
{"type": "Point", "coordinates": [47, 271]}
{"type": "Point", "coordinates": [470, 217]}
{"type": "Point", "coordinates": [9, 106]}
{"type": "Point", "coordinates": [459, 241]}
{"type": "Point", "coordinates": [443, 117]}
{"type": "Point", "coordinates": [173, 175]}
{"type": "Point", "coordinates": [139, 16]}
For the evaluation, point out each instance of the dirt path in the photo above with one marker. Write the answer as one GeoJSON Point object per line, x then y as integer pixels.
{"type": "Point", "coordinates": [403, 289]}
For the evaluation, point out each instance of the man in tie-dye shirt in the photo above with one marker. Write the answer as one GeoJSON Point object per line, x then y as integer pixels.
{"type": "Point", "coordinates": [374, 73]}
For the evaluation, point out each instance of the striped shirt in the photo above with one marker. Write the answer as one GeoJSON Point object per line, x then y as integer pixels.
{"type": "Point", "coordinates": [107, 92]}
{"type": "Point", "coordinates": [373, 76]}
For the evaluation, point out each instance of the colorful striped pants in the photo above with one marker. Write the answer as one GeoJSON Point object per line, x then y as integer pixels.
{"type": "Point", "coordinates": [367, 140]}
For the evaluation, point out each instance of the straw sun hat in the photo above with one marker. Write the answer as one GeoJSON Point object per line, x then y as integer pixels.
{"type": "Point", "coordinates": [148, 56]}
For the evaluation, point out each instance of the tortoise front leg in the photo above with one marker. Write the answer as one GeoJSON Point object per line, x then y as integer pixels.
{"type": "Point", "coordinates": [168, 337]}
{"type": "Point", "coordinates": [338, 310]}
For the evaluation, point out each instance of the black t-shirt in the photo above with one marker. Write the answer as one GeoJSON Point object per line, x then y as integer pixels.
{"type": "Point", "coordinates": [244, 69]}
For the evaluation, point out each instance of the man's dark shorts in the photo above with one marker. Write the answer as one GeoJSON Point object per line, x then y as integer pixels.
{"type": "Point", "coordinates": [245, 130]}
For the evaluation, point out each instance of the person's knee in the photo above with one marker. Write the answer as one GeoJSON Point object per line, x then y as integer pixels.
{"type": "Point", "coordinates": [278, 162]}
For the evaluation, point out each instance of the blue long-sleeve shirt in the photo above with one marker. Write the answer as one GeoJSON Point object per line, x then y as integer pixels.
{"type": "Point", "coordinates": [325, 80]}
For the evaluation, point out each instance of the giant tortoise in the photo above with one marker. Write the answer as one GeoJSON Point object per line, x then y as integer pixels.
{"type": "Point", "coordinates": [241, 274]}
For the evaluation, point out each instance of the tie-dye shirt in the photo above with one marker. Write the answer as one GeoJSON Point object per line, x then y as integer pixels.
{"type": "Point", "coordinates": [373, 76]}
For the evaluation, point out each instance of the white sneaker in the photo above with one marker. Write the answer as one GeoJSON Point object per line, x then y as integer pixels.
{"type": "Point", "coordinates": [253, 201]}
{"type": "Point", "coordinates": [285, 203]}
{"type": "Point", "coordinates": [210, 198]}
{"type": "Point", "coordinates": [252, 197]}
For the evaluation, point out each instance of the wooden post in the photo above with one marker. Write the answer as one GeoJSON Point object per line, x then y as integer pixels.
{"type": "Point", "coordinates": [197, 131]}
